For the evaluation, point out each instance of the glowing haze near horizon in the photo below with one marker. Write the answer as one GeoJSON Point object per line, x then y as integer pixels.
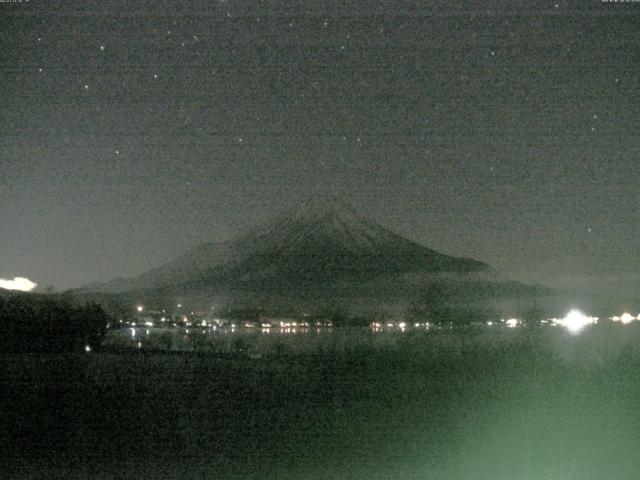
{"type": "Point", "coordinates": [18, 283]}
{"type": "Point", "coordinates": [501, 131]}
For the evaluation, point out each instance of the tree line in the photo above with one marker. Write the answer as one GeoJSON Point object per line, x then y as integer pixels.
{"type": "Point", "coordinates": [48, 323]}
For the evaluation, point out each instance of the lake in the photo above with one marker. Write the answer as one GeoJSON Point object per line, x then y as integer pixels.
{"type": "Point", "coordinates": [482, 404]}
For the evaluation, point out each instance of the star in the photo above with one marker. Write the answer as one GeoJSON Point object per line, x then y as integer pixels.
{"type": "Point", "coordinates": [102, 48]}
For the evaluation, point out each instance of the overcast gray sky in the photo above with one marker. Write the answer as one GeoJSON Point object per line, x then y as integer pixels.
{"type": "Point", "coordinates": [497, 131]}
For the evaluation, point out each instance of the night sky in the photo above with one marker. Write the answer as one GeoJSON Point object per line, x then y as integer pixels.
{"type": "Point", "coordinates": [494, 130]}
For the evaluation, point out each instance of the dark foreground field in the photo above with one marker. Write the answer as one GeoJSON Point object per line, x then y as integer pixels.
{"type": "Point", "coordinates": [510, 405]}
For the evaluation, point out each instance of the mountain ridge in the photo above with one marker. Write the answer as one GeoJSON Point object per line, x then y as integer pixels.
{"type": "Point", "coordinates": [322, 239]}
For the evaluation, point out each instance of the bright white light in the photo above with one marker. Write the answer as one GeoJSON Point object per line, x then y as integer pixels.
{"type": "Point", "coordinates": [18, 283]}
{"type": "Point", "coordinates": [402, 325]}
{"type": "Point", "coordinates": [627, 318]}
{"type": "Point", "coordinates": [512, 322]}
{"type": "Point", "coordinates": [575, 321]}
{"type": "Point", "coordinates": [87, 348]}
{"type": "Point", "coordinates": [139, 308]}
{"type": "Point", "coordinates": [490, 324]}
{"type": "Point", "coordinates": [148, 324]}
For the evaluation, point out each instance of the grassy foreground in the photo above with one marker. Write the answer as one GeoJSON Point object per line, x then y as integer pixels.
{"type": "Point", "coordinates": [510, 405]}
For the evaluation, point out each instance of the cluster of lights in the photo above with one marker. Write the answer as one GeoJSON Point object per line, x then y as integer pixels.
{"type": "Point", "coordinates": [378, 326]}
{"type": "Point", "coordinates": [625, 318]}
{"type": "Point", "coordinates": [512, 322]}
{"type": "Point", "coordinates": [575, 321]}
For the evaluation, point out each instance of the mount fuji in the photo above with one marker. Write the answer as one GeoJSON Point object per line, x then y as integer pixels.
{"type": "Point", "coordinates": [321, 249]}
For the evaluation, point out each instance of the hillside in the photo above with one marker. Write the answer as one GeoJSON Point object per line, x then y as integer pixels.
{"type": "Point", "coordinates": [322, 240]}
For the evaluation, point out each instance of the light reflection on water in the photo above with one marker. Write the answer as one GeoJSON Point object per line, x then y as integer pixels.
{"type": "Point", "coordinates": [227, 339]}
{"type": "Point", "coordinates": [592, 345]}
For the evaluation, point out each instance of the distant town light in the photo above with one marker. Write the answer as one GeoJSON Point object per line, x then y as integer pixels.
{"type": "Point", "coordinates": [575, 321]}
{"type": "Point", "coordinates": [512, 322]}
{"type": "Point", "coordinates": [626, 318]}
{"type": "Point", "coordinates": [87, 348]}
{"type": "Point", "coordinates": [18, 283]}
{"type": "Point", "coordinates": [139, 308]}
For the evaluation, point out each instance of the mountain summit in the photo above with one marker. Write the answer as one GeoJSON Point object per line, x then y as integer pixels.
{"type": "Point", "coordinates": [324, 240]}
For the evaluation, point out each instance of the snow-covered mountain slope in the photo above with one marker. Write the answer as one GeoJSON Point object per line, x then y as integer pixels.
{"type": "Point", "coordinates": [323, 239]}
